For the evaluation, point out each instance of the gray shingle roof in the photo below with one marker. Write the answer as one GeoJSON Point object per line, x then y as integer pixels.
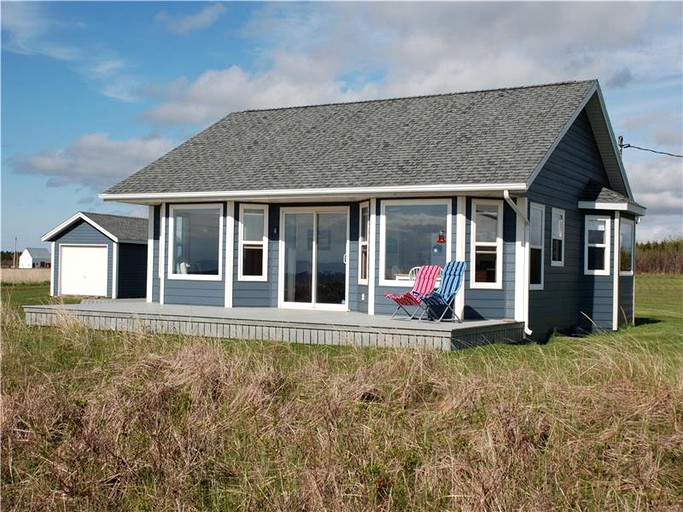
{"type": "Point", "coordinates": [599, 194]}
{"type": "Point", "coordinates": [496, 136]}
{"type": "Point", "coordinates": [124, 228]}
{"type": "Point", "coordinates": [38, 253]}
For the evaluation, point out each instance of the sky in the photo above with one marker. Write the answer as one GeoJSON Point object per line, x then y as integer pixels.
{"type": "Point", "coordinates": [93, 91]}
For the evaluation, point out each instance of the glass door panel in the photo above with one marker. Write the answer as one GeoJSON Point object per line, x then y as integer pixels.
{"type": "Point", "coordinates": [331, 258]}
{"type": "Point", "coordinates": [298, 273]}
{"type": "Point", "coordinates": [314, 271]}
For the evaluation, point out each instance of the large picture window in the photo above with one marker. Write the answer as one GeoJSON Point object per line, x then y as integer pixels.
{"type": "Point", "coordinates": [195, 241]}
{"type": "Point", "coordinates": [487, 243]}
{"type": "Point", "coordinates": [536, 239]}
{"type": "Point", "coordinates": [253, 243]}
{"type": "Point", "coordinates": [596, 250]}
{"type": "Point", "coordinates": [413, 233]}
{"type": "Point", "coordinates": [626, 246]}
{"type": "Point", "coordinates": [363, 234]}
{"type": "Point", "coordinates": [557, 240]}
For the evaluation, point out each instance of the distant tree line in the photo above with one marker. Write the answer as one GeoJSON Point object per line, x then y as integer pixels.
{"type": "Point", "coordinates": [665, 257]}
{"type": "Point", "coordinates": [7, 258]}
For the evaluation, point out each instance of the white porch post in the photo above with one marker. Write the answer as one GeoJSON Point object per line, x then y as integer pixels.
{"type": "Point", "coordinates": [522, 266]}
{"type": "Point", "coordinates": [162, 252]}
{"type": "Point", "coordinates": [372, 256]}
{"type": "Point", "coordinates": [150, 254]}
{"type": "Point", "coordinates": [615, 290]}
{"type": "Point", "coordinates": [230, 252]}
{"type": "Point", "coordinates": [460, 253]}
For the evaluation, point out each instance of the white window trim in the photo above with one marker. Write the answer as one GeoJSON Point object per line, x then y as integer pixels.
{"type": "Point", "coordinates": [263, 243]}
{"type": "Point", "coordinates": [171, 242]}
{"type": "Point", "coordinates": [606, 245]}
{"type": "Point", "coordinates": [498, 244]}
{"type": "Point", "coordinates": [383, 235]}
{"type": "Point", "coordinates": [541, 208]}
{"type": "Point", "coordinates": [366, 243]}
{"type": "Point", "coordinates": [633, 247]}
{"type": "Point", "coordinates": [561, 212]}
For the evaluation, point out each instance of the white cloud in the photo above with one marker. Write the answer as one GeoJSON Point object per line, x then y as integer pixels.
{"type": "Point", "coordinates": [346, 51]}
{"type": "Point", "coordinates": [185, 24]}
{"type": "Point", "coordinates": [657, 184]}
{"type": "Point", "coordinates": [27, 28]}
{"type": "Point", "coordinates": [30, 30]}
{"type": "Point", "coordinates": [93, 160]}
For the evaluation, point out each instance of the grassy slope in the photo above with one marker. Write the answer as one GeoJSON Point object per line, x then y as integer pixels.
{"type": "Point", "coordinates": [97, 420]}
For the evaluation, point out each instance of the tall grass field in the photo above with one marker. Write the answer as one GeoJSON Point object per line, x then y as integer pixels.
{"type": "Point", "coordinates": [121, 421]}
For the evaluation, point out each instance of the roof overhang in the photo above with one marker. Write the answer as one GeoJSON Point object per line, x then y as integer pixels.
{"type": "Point", "coordinates": [316, 194]}
{"type": "Point", "coordinates": [621, 207]}
{"type": "Point", "coordinates": [47, 237]}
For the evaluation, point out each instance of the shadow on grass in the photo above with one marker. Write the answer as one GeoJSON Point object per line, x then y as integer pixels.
{"type": "Point", "coordinates": [646, 321]}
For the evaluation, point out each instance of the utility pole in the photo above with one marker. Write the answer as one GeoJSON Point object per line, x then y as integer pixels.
{"type": "Point", "coordinates": [14, 256]}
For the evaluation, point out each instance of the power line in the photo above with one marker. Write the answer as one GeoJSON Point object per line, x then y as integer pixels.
{"type": "Point", "coordinates": [623, 146]}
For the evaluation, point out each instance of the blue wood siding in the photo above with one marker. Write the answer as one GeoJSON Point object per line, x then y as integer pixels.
{"type": "Point", "coordinates": [200, 293]}
{"type": "Point", "coordinates": [626, 299]}
{"type": "Point", "coordinates": [255, 294]}
{"type": "Point", "coordinates": [567, 292]}
{"type": "Point", "coordinates": [484, 303]}
{"type": "Point", "coordinates": [356, 303]}
{"type": "Point", "coordinates": [132, 271]}
{"type": "Point", "coordinates": [155, 253]}
{"type": "Point", "coordinates": [82, 233]}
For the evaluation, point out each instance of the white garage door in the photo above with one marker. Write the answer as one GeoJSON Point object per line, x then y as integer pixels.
{"type": "Point", "coordinates": [83, 270]}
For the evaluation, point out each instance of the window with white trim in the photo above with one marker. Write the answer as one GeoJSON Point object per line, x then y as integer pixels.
{"type": "Point", "coordinates": [536, 239]}
{"type": "Point", "coordinates": [596, 250]}
{"type": "Point", "coordinates": [487, 244]}
{"type": "Point", "coordinates": [557, 238]}
{"type": "Point", "coordinates": [253, 243]}
{"type": "Point", "coordinates": [195, 239]}
{"type": "Point", "coordinates": [413, 233]}
{"type": "Point", "coordinates": [627, 229]}
{"type": "Point", "coordinates": [363, 248]}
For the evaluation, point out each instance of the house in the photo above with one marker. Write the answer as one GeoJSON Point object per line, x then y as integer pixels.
{"type": "Point", "coordinates": [33, 257]}
{"type": "Point", "coordinates": [330, 206]}
{"type": "Point", "coordinates": [99, 255]}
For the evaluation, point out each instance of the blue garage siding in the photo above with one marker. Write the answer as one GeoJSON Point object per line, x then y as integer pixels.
{"type": "Point", "coordinates": [567, 292]}
{"type": "Point", "coordinates": [82, 233]}
{"type": "Point", "coordinates": [200, 293]}
{"type": "Point", "coordinates": [483, 303]}
{"type": "Point", "coordinates": [132, 271]}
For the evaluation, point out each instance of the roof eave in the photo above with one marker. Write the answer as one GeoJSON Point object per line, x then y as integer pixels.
{"type": "Point", "coordinates": [77, 216]}
{"type": "Point", "coordinates": [629, 207]}
{"type": "Point", "coordinates": [312, 193]}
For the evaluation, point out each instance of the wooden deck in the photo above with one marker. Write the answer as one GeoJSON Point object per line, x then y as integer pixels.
{"type": "Point", "coordinates": [299, 326]}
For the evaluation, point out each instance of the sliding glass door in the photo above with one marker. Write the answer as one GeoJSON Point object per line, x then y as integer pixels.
{"type": "Point", "coordinates": [314, 267]}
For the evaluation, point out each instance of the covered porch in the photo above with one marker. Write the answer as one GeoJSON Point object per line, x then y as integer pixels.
{"type": "Point", "coordinates": [314, 327]}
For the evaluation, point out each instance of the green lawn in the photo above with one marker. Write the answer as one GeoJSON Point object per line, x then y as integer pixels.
{"type": "Point", "coordinates": [118, 421]}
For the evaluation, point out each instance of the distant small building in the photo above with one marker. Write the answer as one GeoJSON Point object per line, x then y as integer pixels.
{"type": "Point", "coordinates": [34, 257]}
{"type": "Point", "coordinates": [99, 255]}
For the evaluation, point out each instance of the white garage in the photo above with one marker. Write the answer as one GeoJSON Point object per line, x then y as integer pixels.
{"type": "Point", "coordinates": [83, 269]}
{"type": "Point", "coordinates": [99, 255]}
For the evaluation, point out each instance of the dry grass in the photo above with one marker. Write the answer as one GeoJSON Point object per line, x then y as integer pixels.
{"type": "Point", "coordinates": [24, 275]}
{"type": "Point", "coordinates": [192, 424]}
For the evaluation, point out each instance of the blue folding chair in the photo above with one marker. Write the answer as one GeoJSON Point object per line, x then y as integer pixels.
{"type": "Point", "coordinates": [440, 303]}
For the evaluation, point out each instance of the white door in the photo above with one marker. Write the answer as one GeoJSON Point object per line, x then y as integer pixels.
{"type": "Point", "coordinates": [83, 270]}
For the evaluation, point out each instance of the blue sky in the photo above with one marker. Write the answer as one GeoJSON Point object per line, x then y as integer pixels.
{"type": "Point", "coordinates": [92, 91]}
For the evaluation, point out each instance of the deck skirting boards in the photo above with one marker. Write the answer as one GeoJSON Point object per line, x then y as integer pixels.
{"type": "Point", "coordinates": [410, 335]}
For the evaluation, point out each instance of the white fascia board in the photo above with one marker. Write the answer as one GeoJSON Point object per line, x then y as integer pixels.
{"type": "Point", "coordinates": [312, 193]}
{"type": "Point", "coordinates": [562, 133]}
{"type": "Point", "coordinates": [84, 218]}
{"type": "Point", "coordinates": [613, 207]}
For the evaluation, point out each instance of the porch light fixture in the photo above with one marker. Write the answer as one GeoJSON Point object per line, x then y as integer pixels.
{"type": "Point", "coordinates": [441, 239]}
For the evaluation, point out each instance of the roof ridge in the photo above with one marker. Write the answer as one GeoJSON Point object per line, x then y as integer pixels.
{"type": "Point", "coordinates": [419, 96]}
